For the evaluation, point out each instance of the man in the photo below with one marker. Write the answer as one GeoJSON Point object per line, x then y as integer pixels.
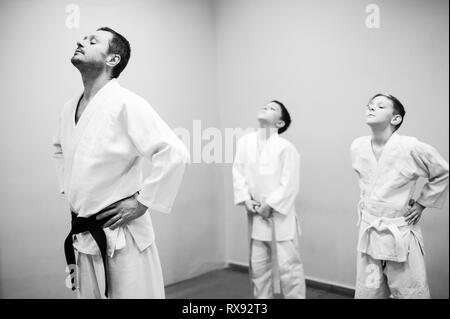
{"type": "Point", "coordinates": [266, 181]}
{"type": "Point", "coordinates": [390, 260]}
{"type": "Point", "coordinates": [103, 138]}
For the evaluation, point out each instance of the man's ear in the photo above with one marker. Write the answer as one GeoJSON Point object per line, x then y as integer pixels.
{"type": "Point", "coordinates": [396, 119]}
{"type": "Point", "coordinates": [280, 124]}
{"type": "Point", "coordinates": [112, 60]}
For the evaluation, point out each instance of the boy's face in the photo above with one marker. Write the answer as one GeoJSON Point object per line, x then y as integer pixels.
{"type": "Point", "coordinates": [92, 49]}
{"type": "Point", "coordinates": [380, 110]}
{"type": "Point", "coordinates": [271, 114]}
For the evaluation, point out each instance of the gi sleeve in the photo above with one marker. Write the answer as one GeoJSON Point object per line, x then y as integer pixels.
{"type": "Point", "coordinates": [58, 156]}
{"type": "Point", "coordinates": [431, 165]}
{"type": "Point", "coordinates": [282, 199]}
{"type": "Point", "coordinates": [241, 192]}
{"type": "Point", "coordinates": [154, 140]}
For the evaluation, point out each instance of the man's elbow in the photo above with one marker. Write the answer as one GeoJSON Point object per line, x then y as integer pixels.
{"type": "Point", "coordinates": [180, 155]}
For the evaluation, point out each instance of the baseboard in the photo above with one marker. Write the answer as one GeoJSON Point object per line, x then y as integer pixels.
{"type": "Point", "coordinates": [206, 268]}
{"type": "Point", "coordinates": [310, 282]}
{"type": "Point", "coordinates": [236, 266]}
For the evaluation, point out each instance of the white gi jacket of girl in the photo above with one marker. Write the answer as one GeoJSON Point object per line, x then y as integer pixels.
{"type": "Point", "coordinates": [386, 188]}
{"type": "Point", "coordinates": [99, 161]}
{"type": "Point", "coordinates": [272, 176]}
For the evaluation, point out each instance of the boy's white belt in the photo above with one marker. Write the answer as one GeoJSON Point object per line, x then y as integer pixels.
{"type": "Point", "coordinates": [382, 224]}
{"type": "Point", "coordinates": [372, 213]}
{"type": "Point", "coordinates": [273, 250]}
{"type": "Point", "coordinates": [276, 280]}
{"type": "Point", "coordinates": [275, 267]}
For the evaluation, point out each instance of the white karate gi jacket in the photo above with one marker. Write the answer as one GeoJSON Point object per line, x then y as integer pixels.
{"type": "Point", "coordinates": [272, 176]}
{"type": "Point", "coordinates": [99, 161]}
{"type": "Point", "coordinates": [386, 188]}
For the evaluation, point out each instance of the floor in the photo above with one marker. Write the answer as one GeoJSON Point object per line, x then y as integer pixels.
{"type": "Point", "coordinates": [230, 284]}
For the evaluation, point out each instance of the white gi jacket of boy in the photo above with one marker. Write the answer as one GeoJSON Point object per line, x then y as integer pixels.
{"type": "Point", "coordinates": [272, 176]}
{"type": "Point", "coordinates": [386, 188]}
{"type": "Point", "coordinates": [99, 161]}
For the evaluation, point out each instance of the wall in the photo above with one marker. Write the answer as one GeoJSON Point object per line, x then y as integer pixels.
{"type": "Point", "coordinates": [219, 61]}
{"type": "Point", "coordinates": [320, 59]}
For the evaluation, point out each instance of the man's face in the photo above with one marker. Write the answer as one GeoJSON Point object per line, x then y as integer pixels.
{"type": "Point", "coordinates": [92, 50]}
{"type": "Point", "coordinates": [270, 114]}
{"type": "Point", "coordinates": [380, 111]}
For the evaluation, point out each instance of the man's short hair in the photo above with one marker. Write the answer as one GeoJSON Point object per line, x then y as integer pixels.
{"type": "Point", "coordinates": [285, 117]}
{"type": "Point", "coordinates": [118, 45]}
{"type": "Point", "coordinates": [398, 107]}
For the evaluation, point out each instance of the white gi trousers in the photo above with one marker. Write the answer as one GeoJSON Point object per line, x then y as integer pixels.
{"type": "Point", "coordinates": [290, 267]}
{"type": "Point", "coordinates": [381, 279]}
{"type": "Point", "coordinates": [132, 274]}
{"type": "Point", "coordinates": [390, 259]}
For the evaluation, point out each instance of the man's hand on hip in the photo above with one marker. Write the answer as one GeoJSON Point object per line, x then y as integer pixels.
{"type": "Point", "coordinates": [124, 212]}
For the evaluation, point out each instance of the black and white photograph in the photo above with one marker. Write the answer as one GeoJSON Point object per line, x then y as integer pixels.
{"type": "Point", "coordinates": [224, 150]}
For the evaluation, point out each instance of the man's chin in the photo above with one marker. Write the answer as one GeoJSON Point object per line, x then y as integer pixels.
{"type": "Point", "coordinates": [73, 61]}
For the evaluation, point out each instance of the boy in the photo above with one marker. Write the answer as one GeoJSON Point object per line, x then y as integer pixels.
{"type": "Point", "coordinates": [390, 260]}
{"type": "Point", "coordinates": [266, 181]}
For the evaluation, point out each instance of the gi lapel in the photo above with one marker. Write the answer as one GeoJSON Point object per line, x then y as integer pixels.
{"type": "Point", "coordinates": [78, 130]}
{"type": "Point", "coordinates": [381, 161]}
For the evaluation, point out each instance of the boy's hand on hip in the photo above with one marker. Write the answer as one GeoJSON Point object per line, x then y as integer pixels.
{"type": "Point", "coordinates": [124, 212]}
{"type": "Point", "coordinates": [414, 213]}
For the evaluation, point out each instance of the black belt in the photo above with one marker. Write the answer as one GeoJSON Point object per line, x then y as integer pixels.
{"type": "Point", "coordinates": [95, 228]}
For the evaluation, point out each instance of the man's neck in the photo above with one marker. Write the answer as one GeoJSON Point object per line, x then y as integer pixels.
{"type": "Point", "coordinates": [380, 135]}
{"type": "Point", "coordinates": [93, 83]}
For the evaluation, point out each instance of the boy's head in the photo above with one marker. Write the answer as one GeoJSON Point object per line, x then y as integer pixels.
{"type": "Point", "coordinates": [275, 114]}
{"type": "Point", "coordinates": [385, 109]}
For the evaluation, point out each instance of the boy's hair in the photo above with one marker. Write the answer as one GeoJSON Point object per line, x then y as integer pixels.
{"type": "Point", "coordinates": [118, 45]}
{"type": "Point", "coordinates": [398, 107]}
{"type": "Point", "coordinates": [285, 117]}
